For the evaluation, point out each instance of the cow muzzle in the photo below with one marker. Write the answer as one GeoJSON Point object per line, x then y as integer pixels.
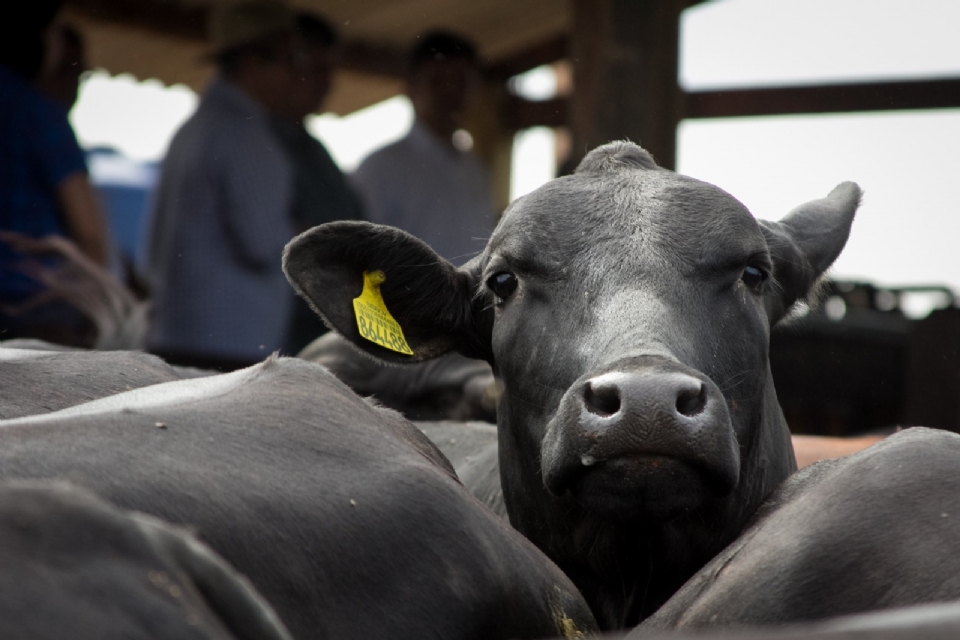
{"type": "Point", "coordinates": [645, 436]}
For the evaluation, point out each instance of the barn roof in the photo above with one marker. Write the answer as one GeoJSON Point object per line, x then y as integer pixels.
{"type": "Point", "coordinates": [625, 56]}
{"type": "Point", "coordinates": [166, 39]}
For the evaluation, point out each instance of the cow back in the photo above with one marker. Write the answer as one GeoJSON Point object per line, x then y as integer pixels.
{"type": "Point", "coordinates": [343, 514]}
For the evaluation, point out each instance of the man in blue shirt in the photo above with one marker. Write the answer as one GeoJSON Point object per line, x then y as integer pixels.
{"type": "Point", "coordinates": [44, 189]}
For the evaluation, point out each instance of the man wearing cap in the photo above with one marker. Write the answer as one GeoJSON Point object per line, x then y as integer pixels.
{"type": "Point", "coordinates": [428, 183]}
{"type": "Point", "coordinates": [221, 213]}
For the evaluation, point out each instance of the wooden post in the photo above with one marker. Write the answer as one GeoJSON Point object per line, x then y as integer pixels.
{"type": "Point", "coordinates": [492, 140]}
{"type": "Point", "coordinates": [624, 55]}
{"type": "Point", "coordinates": [933, 372]}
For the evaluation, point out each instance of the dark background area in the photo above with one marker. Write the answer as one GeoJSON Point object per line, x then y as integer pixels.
{"type": "Point", "coordinates": [871, 370]}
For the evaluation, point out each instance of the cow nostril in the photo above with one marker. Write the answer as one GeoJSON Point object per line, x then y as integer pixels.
{"type": "Point", "coordinates": [690, 402]}
{"type": "Point", "coordinates": [603, 401]}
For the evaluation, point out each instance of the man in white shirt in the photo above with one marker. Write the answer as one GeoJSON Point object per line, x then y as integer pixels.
{"type": "Point", "coordinates": [426, 183]}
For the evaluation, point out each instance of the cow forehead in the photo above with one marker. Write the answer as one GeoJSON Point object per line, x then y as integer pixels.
{"type": "Point", "coordinates": [642, 215]}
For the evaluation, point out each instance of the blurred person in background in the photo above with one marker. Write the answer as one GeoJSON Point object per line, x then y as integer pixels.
{"type": "Point", "coordinates": [427, 183]}
{"type": "Point", "coordinates": [65, 65]}
{"type": "Point", "coordinates": [221, 213]}
{"type": "Point", "coordinates": [44, 186]}
{"type": "Point", "coordinates": [321, 192]}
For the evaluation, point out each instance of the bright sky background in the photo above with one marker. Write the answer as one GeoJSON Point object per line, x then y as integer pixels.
{"type": "Point", "coordinates": [905, 233]}
{"type": "Point", "coordinates": [908, 163]}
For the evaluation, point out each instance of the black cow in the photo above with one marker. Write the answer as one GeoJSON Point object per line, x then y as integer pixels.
{"type": "Point", "coordinates": [450, 387]}
{"type": "Point", "coordinates": [471, 447]}
{"type": "Point", "coordinates": [40, 379]}
{"type": "Point", "coordinates": [343, 515]}
{"type": "Point", "coordinates": [927, 622]}
{"type": "Point", "coordinates": [626, 311]}
{"type": "Point", "coordinates": [875, 530]}
{"type": "Point", "coordinates": [76, 567]}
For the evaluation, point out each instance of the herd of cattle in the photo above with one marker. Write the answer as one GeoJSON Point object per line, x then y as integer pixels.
{"type": "Point", "coordinates": [641, 479]}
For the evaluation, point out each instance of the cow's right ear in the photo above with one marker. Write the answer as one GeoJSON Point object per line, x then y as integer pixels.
{"type": "Point", "coordinates": [432, 301]}
{"type": "Point", "coordinates": [805, 243]}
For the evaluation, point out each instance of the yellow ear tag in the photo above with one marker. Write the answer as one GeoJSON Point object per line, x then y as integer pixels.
{"type": "Point", "coordinates": [374, 321]}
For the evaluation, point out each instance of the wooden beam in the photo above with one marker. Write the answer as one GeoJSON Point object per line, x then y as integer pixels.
{"type": "Point", "coordinates": [625, 60]}
{"type": "Point", "coordinates": [168, 18]}
{"type": "Point", "coordinates": [877, 96]}
{"type": "Point", "coordinates": [190, 22]}
{"type": "Point", "coordinates": [374, 59]}
{"type": "Point", "coordinates": [731, 103]}
{"type": "Point", "coordinates": [546, 52]}
{"type": "Point", "coordinates": [390, 61]}
{"type": "Point", "coordinates": [519, 113]}
{"type": "Point", "coordinates": [492, 142]}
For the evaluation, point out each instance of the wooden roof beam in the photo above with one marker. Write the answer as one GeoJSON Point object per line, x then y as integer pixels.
{"type": "Point", "coordinates": [190, 22]}
{"type": "Point", "coordinates": [385, 60]}
{"type": "Point", "coordinates": [874, 96]}
{"type": "Point", "coordinates": [731, 103]}
{"type": "Point", "coordinates": [374, 59]}
{"type": "Point", "coordinates": [546, 52]}
{"type": "Point", "coordinates": [166, 18]}
{"type": "Point", "coordinates": [520, 113]}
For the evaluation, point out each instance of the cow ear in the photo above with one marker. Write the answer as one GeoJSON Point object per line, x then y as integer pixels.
{"type": "Point", "coordinates": [805, 243]}
{"type": "Point", "coordinates": [432, 301]}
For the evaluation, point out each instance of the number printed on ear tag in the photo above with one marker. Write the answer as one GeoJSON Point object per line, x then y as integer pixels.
{"type": "Point", "coordinates": [374, 320]}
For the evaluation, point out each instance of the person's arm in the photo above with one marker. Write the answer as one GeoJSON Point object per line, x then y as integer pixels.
{"type": "Point", "coordinates": [83, 217]}
{"type": "Point", "coordinates": [60, 160]}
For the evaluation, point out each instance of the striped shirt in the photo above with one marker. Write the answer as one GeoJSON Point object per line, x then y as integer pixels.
{"type": "Point", "coordinates": [220, 220]}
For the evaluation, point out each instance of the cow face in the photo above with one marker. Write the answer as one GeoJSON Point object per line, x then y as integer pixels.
{"type": "Point", "coordinates": [626, 311]}
{"type": "Point", "coordinates": [630, 334]}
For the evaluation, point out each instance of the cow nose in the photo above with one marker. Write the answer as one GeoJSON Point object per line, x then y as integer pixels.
{"type": "Point", "coordinates": [675, 399]}
{"type": "Point", "coordinates": [602, 395]}
{"type": "Point", "coordinates": [641, 417]}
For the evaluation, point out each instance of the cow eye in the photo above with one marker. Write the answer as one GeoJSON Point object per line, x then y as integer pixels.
{"type": "Point", "coordinates": [502, 285]}
{"type": "Point", "coordinates": [753, 277]}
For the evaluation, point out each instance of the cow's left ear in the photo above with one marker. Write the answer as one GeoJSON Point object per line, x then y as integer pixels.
{"type": "Point", "coordinates": [805, 243]}
{"type": "Point", "coordinates": [397, 277]}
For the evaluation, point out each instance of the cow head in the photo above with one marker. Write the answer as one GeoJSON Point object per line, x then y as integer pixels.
{"type": "Point", "coordinates": [626, 311]}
